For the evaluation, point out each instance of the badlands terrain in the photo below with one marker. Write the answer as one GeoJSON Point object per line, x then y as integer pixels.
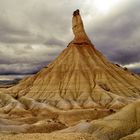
{"type": "Point", "coordinates": [79, 96]}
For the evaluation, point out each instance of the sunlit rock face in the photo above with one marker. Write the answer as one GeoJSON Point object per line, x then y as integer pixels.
{"type": "Point", "coordinates": [78, 27]}
{"type": "Point", "coordinates": [80, 78]}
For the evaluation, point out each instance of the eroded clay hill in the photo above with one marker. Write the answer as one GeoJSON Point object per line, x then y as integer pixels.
{"type": "Point", "coordinates": [80, 77]}
{"type": "Point", "coordinates": [78, 96]}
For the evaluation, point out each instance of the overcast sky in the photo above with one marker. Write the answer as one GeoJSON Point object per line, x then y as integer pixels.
{"type": "Point", "coordinates": [34, 32]}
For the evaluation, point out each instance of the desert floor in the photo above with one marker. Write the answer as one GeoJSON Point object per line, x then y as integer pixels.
{"type": "Point", "coordinates": [44, 136]}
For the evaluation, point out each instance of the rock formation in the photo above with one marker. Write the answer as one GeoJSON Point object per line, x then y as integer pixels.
{"type": "Point", "coordinates": [78, 28]}
{"type": "Point", "coordinates": [80, 77]}
{"type": "Point", "coordinates": [124, 124]}
{"type": "Point", "coordinates": [74, 93]}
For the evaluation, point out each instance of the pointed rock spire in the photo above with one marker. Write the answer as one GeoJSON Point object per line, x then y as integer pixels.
{"type": "Point", "coordinates": [78, 27]}
{"type": "Point", "coordinates": [80, 77]}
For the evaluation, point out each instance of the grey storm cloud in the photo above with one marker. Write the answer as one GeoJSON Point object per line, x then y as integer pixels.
{"type": "Point", "coordinates": [117, 36]}
{"type": "Point", "coordinates": [34, 32]}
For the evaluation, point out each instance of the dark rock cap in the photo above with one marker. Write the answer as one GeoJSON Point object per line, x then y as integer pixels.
{"type": "Point", "coordinates": [75, 13]}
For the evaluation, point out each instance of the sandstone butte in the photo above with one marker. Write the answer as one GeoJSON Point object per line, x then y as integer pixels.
{"type": "Point", "coordinates": [81, 77]}
{"type": "Point", "coordinates": [81, 94]}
